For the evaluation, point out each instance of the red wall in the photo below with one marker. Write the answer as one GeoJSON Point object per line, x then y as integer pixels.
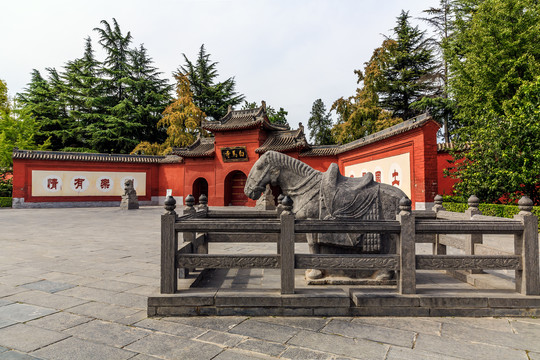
{"type": "Point", "coordinates": [446, 184]}
{"type": "Point", "coordinates": [420, 143]}
{"type": "Point", "coordinates": [22, 181]}
{"type": "Point", "coordinates": [426, 167]}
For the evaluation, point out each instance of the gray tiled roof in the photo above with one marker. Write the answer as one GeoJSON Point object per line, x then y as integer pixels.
{"type": "Point", "coordinates": [284, 141]}
{"type": "Point", "coordinates": [75, 156]}
{"type": "Point", "coordinates": [242, 120]}
{"type": "Point", "coordinates": [202, 147]}
{"type": "Point", "coordinates": [405, 126]}
{"type": "Point", "coordinates": [321, 150]}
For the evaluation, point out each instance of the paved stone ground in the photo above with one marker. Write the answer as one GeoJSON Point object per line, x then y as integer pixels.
{"type": "Point", "coordinates": [74, 283]}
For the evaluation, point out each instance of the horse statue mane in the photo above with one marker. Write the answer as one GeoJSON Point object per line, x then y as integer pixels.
{"type": "Point", "coordinates": [289, 162]}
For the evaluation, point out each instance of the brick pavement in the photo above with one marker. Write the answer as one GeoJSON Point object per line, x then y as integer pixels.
{"type": "Point", "coordinates": [74, 284]}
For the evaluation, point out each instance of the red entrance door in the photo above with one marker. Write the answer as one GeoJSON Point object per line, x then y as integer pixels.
{"type": "Point", "coordinates": [238, 198]}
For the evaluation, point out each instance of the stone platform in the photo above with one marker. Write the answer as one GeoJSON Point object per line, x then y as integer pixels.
{"type": "Point", "coordinates": [255, 292]}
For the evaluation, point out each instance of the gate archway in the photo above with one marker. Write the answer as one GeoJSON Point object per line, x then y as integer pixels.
{"type": "Point", "coordinates": [200, 186]}
{"type": "Point", "coordinates": [234, 189]}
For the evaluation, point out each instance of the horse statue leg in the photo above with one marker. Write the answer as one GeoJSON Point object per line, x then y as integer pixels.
{"type": "Point", "coordinates": [314, 248]}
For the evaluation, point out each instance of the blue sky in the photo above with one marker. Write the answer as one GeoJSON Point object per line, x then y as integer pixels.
{"type": "Point", "coordinates": [289, 53]}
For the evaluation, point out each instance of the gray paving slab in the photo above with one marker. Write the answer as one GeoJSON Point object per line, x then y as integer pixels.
{"type": "Point", "coordinates": [7, 322]}
{"type": "Point", "coordinates": [108, 333]}
{"type": "Point", "coordinates": [264, 330]}
{"type": "Point", "coordinates": [223, 323]}
{"type": "Point", "coordinates": [59, 321]}
{"type": "Point", "coordinates": [492, 337]}
{"type": "Point", "coordinates": [400, 353]}
{"type": "Point", "coordinates": [174, 347]}
{"type": "Point", "coordinates": [170, 328]}
{"type": "Point", "coordinates": [44, 299]}
{"type": "Point", "coordinates": [115, 277]}
{"type": "Point", "coordinates": [339, 345]}
{"type": "Point", "coordinates": [296, 353]}
{"type": "Point", "coordinates": [262, 347]}
{"type": "Point", "coordinates": [103, 311]}
{"type": "Point", "coordinates": [16, 355]}
{"type": "Point", "coordinates": [73, 348]}
{"type": "Point", "coordinates": [28, 338]}
{"type": "Point", "coordinates": [220, 338]}
{"type": "Point", "coordinates": [307, 323]}
{"type": "Point", "coordinates": [234, 354]}
{"type": "Point", "coordinates": [5, 302]}
{"type": "Point", "coordinates": [48, 286]}
{"type": "Point", "coordinates": [398, 337]}
{"type": "Point", "coordinates": [464, 349]}
{"type": "Point", "coordinates": [23, 312]}
{"type": "Point", "coordinates": [430, 326]}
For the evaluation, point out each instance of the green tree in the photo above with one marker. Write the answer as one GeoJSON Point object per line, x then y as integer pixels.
{"type": "Point", "coordinates": [407, 73]}
{"type": "Point", "coordinates": [210, 96]}
{"type": "Point", "coordinates": [320, 124]}
{"type": "Point", "coordinates": [439, 105]}
{"type": "Point", "coordinates": [150, 95]}
{"type": "Point", "coordinates": [504, 157]}
{"type": "Point", "coordinates": [495, 66]}
{"type": "Point", "coordinates": [42, 101]}
{"type": "Point", "coordinates": [361, 115]}
{"type": "Point", "coordinates": [492, 54]}
{"type": "Point", "coordinates": [81, 81]}
{"type": "Point", "coordinates": [278, 117]}
{"type": "Point", "coordinates": [17, 129]}
{"type": "Point", "coordinates": [182, 119]}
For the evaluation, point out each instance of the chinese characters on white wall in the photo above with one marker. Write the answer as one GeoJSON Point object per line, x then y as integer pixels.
{"type": "Point", "coordinates": [84, 183]}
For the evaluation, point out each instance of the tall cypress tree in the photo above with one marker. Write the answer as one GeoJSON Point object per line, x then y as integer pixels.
{"type": "Point", "coordinates": [211, 97]}
{"type": "Point", "coordinates": [408, 71]}
{"type": "Point", "coordinates": [320, 124]}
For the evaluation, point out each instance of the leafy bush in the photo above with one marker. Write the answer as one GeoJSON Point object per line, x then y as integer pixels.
{"type": "Point", "coordinates": [5, 202]}
{"type": "Point", "coordinates": [6, 186]}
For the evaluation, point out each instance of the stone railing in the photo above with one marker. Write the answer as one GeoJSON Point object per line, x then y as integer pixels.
{"type": "Point", "coordinates": [200, 226]}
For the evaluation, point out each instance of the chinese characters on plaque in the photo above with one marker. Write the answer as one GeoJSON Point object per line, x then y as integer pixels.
{"type": "Point", "coordinates": [85, 183]}
{"type": "Point", "coordinates": [232, 154]}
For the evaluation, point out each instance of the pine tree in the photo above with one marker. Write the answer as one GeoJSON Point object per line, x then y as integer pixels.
{"type": "Point", "coordinates": [439, 105]}
{"type": "Point", "coordinates": [41, 100]}
{"type": "Point", "coordinates": [81, 91]}
{"type": "Point", "coordinates": [149, 93]}
{"type": "Point", "coordinates": [211, 97]}
{"type": "Point", "coordinates": [408, 71]}
{"type": "Point", "coordinates": [182, 119]}
{"type": "Point", "coordinates": [320, 124]}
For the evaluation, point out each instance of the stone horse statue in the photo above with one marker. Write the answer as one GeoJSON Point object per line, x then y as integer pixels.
{"type": "Point", "coordinates": [330, 195]}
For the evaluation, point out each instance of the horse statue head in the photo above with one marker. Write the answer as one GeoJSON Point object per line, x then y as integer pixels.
{"type": "Point", "coordinates": [264, 171]}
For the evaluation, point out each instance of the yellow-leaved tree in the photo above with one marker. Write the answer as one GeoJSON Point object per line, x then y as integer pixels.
{"type": "Point", "coordinates": [182, 119]}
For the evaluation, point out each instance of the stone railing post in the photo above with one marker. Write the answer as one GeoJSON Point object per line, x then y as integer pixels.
{"type": "Point", "coordinates": [286, 240]}
{"type": "Point", "coordinates": [406, 249]}
{"type": "Point", "coordinates": [202, 247]}
{"type": "Point", "coordinates": [169, 247]}
{"type": "Point", "coordinates": [526, 245]}
{"type": "Point", "coordinates": [188, 236]}
{"type": "Point", "coordinates": [438, 248]}
{"type": "Point", "coordinates": [203, 202]}
{"type": "Point", "coordinates": [473, 239]}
